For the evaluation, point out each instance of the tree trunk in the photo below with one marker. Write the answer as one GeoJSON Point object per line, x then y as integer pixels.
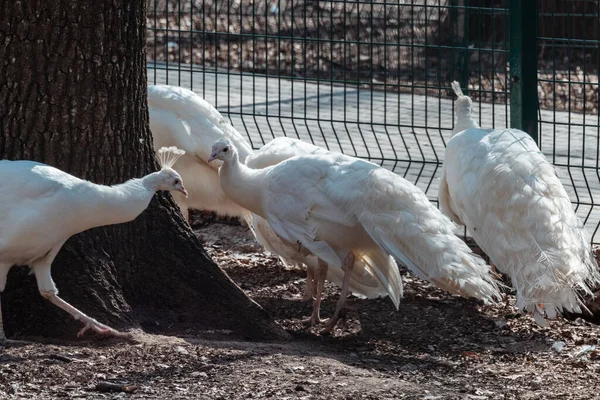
{"type": "Point", "coordinates": [73, 95]}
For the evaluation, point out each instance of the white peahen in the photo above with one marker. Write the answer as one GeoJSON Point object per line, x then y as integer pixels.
{"type": "Point", "coordinates": [353, 214]}
{"type": "Point", "coordinates": [499, 185]}
{"type": "Point", "coordinates": [41, 207]}
{"type": "Point", "coordinates": [179, 117]}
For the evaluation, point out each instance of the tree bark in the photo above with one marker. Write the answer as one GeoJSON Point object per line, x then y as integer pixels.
{"type": "Point", "coordinates": [73, 95]}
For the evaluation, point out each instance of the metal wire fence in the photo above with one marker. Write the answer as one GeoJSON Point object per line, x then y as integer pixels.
{"type": "Point", "coordinates": [371, 78]}
{"type": "Point", "coordinates": [568, 85]}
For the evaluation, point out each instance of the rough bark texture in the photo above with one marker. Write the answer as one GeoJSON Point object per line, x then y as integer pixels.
{"type": "Point", "coordinates": [73, 95]}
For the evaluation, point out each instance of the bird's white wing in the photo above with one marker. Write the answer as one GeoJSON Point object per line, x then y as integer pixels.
{"type": "Point", "coordinates": [267, 238]}
{"type": "Point", "coordinates": [295, 198]}
{"type": "Point", "coordinates": [30, 194]}
{"type": "Point", "coordinates": [274, 152]}
{"type": "Point", "coordinates": [515, 207]}
{"type": "Point", "coordinates": [31, 180]}
{"type": "Point", "coordinates": [179, 117]}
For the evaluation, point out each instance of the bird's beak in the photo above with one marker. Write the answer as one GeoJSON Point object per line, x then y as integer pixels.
{"type": "Point", "coordinates": [212, 157]}
{"type": "Point", "coordinates": [182, 190]}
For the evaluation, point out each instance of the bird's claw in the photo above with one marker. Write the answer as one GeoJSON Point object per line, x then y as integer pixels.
{"type": "Point", "coordinates": [101, 329]}
{"type": "Point", "coordinates": [329, 325]}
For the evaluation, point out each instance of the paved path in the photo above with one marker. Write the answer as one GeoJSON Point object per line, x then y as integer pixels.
{"type": "Point", "coordinates": [403, 132]}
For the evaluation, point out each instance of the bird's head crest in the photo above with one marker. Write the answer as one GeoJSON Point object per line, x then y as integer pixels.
{"type": "Point", "coordinates": [168, 156]}
{"type": "Point", "coordinates": [463, 103]}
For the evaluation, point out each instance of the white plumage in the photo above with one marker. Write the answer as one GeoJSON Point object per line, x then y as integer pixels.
{"type": "Point", "coordinates": [179, 117]}
{"type": "Point", "coordinates": [354, 214]}
{"type": "Point", "coordinates": [500, 185]}
{"type": "Point", "coordinates": [41, 207]}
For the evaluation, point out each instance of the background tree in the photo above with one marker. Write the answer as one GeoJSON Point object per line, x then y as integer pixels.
{"type": "Point", "coordinates": [73, 95]}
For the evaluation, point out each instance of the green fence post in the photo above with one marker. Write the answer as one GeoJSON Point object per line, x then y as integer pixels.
{"type": "Point", "coordinates": [523, 66]}
{"type": "Point", "coordinates": [460, 18]}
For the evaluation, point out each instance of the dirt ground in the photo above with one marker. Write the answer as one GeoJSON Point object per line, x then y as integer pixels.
{"type": "Point", "coordinates": [435, 347]}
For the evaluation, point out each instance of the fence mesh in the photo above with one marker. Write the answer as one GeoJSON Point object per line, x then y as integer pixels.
{"type": "Point", "coordinates": [371, 78]}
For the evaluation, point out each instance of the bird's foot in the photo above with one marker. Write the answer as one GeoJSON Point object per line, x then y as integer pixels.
{"type": "Point", "coordinates": [90, 323]}
{"type": "Point", "coordinates": [312, 320]}
{"type": "Point", "coordinates": [332, 322]}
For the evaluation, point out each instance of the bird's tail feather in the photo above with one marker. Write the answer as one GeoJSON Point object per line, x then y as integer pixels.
{"type": "Point", "coordinates": [384, 275]}
{"type": "Point", "coordinates": [429, 248]}
{"type": "Point", "coordinates": [553, 293]}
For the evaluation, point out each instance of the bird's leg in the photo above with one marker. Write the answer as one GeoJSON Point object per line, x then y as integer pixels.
{"type": "Point", "coordinates": [315, 318]}
{"type": "Point", "coordinates": [49, 291]}
{"type": "Point", "coordinates": [341, 304]}
{"type": "Point", "coordinates": [89, 323]}
{"type": "Point", "coordinates": [309, 289]}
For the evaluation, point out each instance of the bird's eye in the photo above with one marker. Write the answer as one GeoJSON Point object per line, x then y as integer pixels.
{"type": "Point", "coordinates": [225, 149]}
{"type": "Point", "coordinates": [176, 182]}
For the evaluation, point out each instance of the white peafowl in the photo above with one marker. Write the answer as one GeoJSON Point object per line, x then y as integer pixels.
{"type": "Point", "coordinates": [179, 117]}
{"type": "Point", "coordinates": [499, 185]}
{"type": "Point", "coordinates": [41, 207]}
{"type": "Point", "coordinates": [361, 283]}
{"type": "Point", "coordinates": [353, 214]}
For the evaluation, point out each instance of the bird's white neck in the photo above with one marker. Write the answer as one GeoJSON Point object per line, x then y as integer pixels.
{"type": "Point", "coordinates": [242, 184]}
{"type": "Point", "coordinates": [120, 203]}
{"type": "Point", "coordinates": [244, 152]}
